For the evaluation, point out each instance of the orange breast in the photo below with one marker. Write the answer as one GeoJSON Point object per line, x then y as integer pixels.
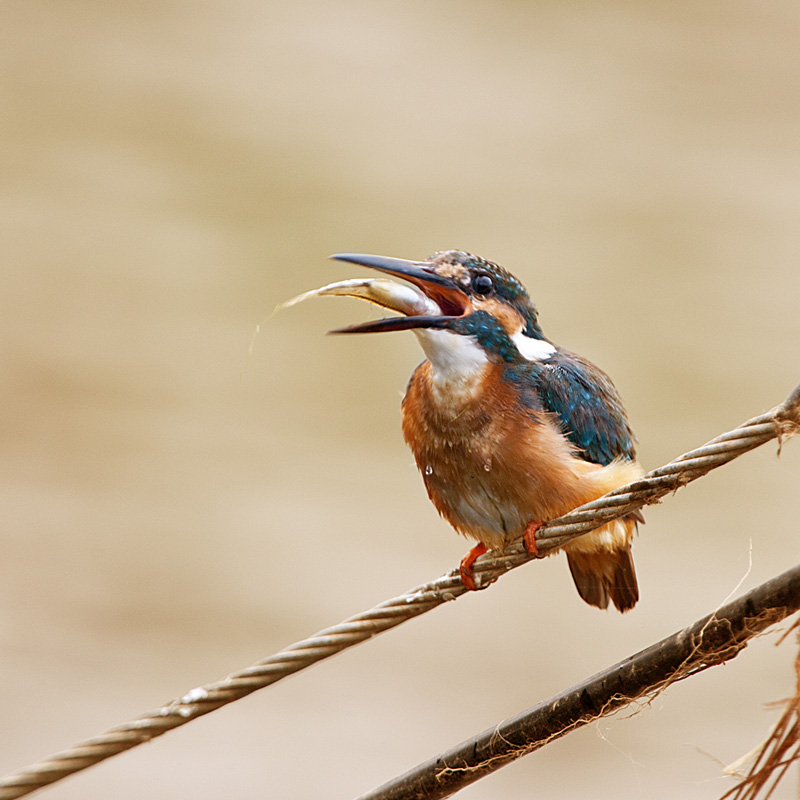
{"type": "Point", "coordinates": [491, 466]}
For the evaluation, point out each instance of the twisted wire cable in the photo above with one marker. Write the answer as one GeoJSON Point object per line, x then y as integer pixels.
{"type": "Point", "coordinates": [781, 422]}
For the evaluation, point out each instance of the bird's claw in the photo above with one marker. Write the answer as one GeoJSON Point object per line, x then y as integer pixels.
{"type": "Point", "coordinates": [529, 538]}
{"type": "Point", "coordinates": [465, 568]}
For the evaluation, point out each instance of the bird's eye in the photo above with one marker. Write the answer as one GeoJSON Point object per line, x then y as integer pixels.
{"type": "Point", "coordinates": [482, 284]}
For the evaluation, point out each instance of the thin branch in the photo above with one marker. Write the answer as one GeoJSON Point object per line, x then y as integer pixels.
{"type": "Point", "coordinates": [782, 421]}
{"type": "Point", "coordinates": [711, 641]}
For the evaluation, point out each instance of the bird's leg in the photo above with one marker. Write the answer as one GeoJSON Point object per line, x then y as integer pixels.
{"type": "Point", "coordinates": [529, 537]}
{"type": "Point", "coordinates": [465, 569]}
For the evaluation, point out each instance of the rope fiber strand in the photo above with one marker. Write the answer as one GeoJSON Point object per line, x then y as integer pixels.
{"type": "Point", "coordinates": [781, 422]}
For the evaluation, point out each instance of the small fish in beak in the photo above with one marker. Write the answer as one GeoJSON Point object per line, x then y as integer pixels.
{"type": "Point", "coordinates": [400, 297]}
{"type": "Point", "coordinates": [427, 300]}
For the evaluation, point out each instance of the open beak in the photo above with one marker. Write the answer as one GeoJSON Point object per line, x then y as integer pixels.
{"type": "Point", "coordinates": [435, 301]}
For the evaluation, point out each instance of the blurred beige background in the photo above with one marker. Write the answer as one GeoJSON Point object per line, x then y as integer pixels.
{"type": "Point", "coordinates": [176, 506]}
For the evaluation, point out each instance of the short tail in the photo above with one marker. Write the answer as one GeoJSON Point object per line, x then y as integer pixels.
{"type": "Point", "coordinates": [603, 576]}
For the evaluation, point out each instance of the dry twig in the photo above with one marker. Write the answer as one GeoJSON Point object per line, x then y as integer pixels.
{"type": "Point", "coordinates": [780, 750]}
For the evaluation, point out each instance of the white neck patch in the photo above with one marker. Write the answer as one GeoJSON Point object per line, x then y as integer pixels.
{"type": "Point", "coordinates": [532, 349]}
{"type": "Point", "coordinates": [457, 363]}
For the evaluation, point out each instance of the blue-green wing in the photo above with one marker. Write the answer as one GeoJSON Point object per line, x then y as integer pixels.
{"type": "Point", "coordinates": [588, 405]}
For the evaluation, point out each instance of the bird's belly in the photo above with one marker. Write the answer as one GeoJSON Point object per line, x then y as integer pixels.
{"type": "Point", "coordinates": [492, 500]}
{"type": "Point", "coordinates": [480, 512]}
{"type": "Point", "coordinates": [492, 496]}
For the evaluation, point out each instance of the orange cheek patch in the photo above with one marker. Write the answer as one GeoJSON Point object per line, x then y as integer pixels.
{"type": "Point", "coordinates": [509, 318]}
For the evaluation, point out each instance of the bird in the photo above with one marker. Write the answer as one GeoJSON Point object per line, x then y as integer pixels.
{"type": "Point", "coordinates": [508, 429]}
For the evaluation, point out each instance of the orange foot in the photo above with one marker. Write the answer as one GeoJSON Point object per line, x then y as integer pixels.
{"type": "Point", "coordinates": [529, 537]}
{"type": "Point", "coordinates": [465, 570]}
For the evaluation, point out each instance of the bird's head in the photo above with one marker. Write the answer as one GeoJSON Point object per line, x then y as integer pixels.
{"type": "Point", "coordinates": [461, 303]}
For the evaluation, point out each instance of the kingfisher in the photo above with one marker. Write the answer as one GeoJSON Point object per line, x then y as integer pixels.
{"type": "Point", "coordinates": [508, 429]}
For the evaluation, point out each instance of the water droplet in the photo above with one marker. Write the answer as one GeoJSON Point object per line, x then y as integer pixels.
{"type": "Point", "coordinates": [428, 470]}
{"type": "Point", "coordinates": [487, 465]}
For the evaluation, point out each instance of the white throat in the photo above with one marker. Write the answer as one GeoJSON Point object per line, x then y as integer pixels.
{"type": "Point", "coordinates": [457, 364]}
